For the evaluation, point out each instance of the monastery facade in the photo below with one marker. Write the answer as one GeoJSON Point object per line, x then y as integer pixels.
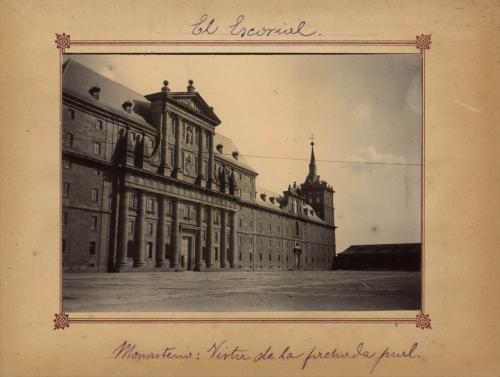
{"type": "Point", "coordinates": [149, 185]}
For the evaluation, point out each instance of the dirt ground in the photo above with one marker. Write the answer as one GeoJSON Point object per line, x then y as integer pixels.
{"type": "Point", "coordinates": [241, 291]}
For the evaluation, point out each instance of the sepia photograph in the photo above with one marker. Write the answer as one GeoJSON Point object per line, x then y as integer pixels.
{"type": "Point", "coordinates": [241, 182]}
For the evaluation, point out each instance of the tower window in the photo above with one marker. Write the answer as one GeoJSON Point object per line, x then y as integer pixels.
{"type": "Point", "coordinates": [67, 164]}
{"type": "Point", "coordinates": [64, 218]}
{"type": "Point", "coordinates": [98, 125]}
{"type": "Point", "coordinates": [72, 114]}
{"type": "Point", "coordinates": [63, 246]}
{"type": "Point", "coordinates": [97, 148]}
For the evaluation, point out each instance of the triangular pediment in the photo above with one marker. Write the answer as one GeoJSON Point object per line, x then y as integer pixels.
{"type": "Point", "coordinates": [195, 102]}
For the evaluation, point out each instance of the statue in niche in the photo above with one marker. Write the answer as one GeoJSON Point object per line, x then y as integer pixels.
{"type": "Point", "coordinates": [189, 135]}
{"type": "Point", "coordinates": [188, 163]}
{"type": "Point", "coordinates": [215, 174]}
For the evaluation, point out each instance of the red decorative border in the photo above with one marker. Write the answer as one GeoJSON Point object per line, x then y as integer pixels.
{"type": "Point", "coordinates": [422, 42]}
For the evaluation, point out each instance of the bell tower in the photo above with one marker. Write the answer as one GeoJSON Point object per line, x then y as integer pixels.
{"type": "Point", "coordinates": [317, 193]}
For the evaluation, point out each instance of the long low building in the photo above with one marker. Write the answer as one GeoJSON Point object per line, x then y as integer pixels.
{"type": "Point", "coordinates": [398, 256]}
{"type": "Point", "coordinates": [148, 184]}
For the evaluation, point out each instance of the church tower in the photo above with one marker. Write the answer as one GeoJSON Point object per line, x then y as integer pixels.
{"type": "Point", "coordinates": [319, 194]}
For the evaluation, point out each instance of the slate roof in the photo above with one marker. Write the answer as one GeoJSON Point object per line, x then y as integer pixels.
{"type": "Point", "coordinates": [227, 151]}
{"type": "Point", "coordinates": [263, 198]}
{"type": "Point", "coordinates": [77, 80]}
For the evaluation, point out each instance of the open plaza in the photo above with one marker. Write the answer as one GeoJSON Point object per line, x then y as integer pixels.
{"type": "Point", "coordinates": [241, 291]}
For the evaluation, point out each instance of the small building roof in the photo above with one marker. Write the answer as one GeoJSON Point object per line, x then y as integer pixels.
{"type": "Point", "coordinates": [382, 249]}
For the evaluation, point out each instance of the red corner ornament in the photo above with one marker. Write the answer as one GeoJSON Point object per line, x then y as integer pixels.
{"type": "Point", "coordinates": [61, 321]}
{"type": "Point", "coordinates": [423, 321]}
{"type": "Point", "coordinates": [423, 41]}
{"type": "Point", "coordinates": [63, 41]}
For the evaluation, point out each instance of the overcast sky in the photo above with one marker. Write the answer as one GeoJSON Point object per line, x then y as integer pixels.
{"type": "Point", "coordinates": [364, 108]}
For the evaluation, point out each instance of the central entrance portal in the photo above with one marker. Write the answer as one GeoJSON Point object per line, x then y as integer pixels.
{"type": "Point", "coordinates": [186, 257]}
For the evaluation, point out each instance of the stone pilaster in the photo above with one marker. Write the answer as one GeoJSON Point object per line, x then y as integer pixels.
{"type": "Point", "coordinates": [139, 256]}
{"type": "Point", "coordinates": [163, 137]}
{"type": "Point", "coordinates": [210, 231]}
{"type": "Point", "coordinates": [122, 230]}
{"type": "Point", "coordinates": [201, 173]}
{"type": "Point", "coordinates": [175, 244]}
{"type": "Point", "coordinates": [162, 231]}
{"type": "Point", "coordinates": [223, 241]}
{"type": "Point", "coordinates": [177, 173]}
{"type": "Point", "coordinates": [199, 240]}
{"type": "Point", "coordinates": [210, 179]}
{"type": "Point", "coordinates": [233, 244]}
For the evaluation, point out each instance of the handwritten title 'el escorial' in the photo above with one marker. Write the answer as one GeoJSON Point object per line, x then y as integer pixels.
{"type": "Point", "coordinates": [206, 26]}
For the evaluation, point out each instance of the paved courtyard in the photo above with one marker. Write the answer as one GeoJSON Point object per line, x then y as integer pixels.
{"type": "Point", "coordinates": [241, 291]}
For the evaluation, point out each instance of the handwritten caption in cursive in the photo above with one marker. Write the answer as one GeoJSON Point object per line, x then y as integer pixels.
{"type": "Point", "coordinates": [208, 26]}
{"type": "Point", "coordinates": [222, 350]}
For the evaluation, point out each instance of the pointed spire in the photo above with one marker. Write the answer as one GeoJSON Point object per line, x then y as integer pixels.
{"type": "Point", "coordinates": [312, 176]}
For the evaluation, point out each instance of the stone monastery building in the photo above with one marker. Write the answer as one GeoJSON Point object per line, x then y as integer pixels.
{"type": "Point", "coordinates": [148, 184]}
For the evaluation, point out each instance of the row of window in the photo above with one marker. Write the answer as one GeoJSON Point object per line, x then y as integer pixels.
{"type": "Point", "coordinates": [94, 193]}
{"type": "Point", "coordinates": [92, 246]}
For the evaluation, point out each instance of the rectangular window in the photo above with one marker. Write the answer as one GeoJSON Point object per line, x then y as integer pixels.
{"type": "Point", "coordinates": [66, 189]}
{"type": "Point", "coordinates": [150, 207]}
{"type": "Point", "coordinates": [67, 164]}
{"type": "Point", "coordinates": [216, 253]}
{"type": "Point", "coordinates": [98, 125]}
{"type": "Point", "coordinates": [240, 222]}
{"type": "Point", "coordinates": [168, 231]}
{"type": "Point", "coordinates": [97, 148]}
{"type": "Point", "coordinates": [239, 241]}
{"type": "Point", "coordinates": [70, 139]}
{"type": "Point", "coordinates": [92, 248]}
{"type": "Point", "coordinates": [93, 222]}
{"type": "Point", "coordinates": [150, 228]}
{"type": "Point", "coordinates": [270, 243]}
{"type": "Point", "coordinates": [149, 250]}
{"type": "Point", "coordinates": [95, 195]}
{"type": "Point", "coordinates": [216, 237]}
{"type": "Point", "coordinates": [260, 226]}
{"type": "Point", "coordinates": [251, 256]}
{"type": "Point", "coordinates": [205, 214]}
{"type": "Point", "coordinates": [270, 256]}
{"type": "Point", "coordinates": [132, 200]}
{"type": "Point", "coordinates": [279, 244]}
{"type": "Point", "coordinates": [63, 246]}
{"type": "Point", "coordinates": [260, 257]}
{"type": "Point", "coordinates": [279, 258]}
{"type": "Point", "coordinates": [270, 228]}
{"type": "Point", "coordinates": [64, 218]}
{"type": "Point", "coordinates": [151, 143]}
{"type": "Point", "coordinates": [240, 256]}
{"type": "Point", "coordinates": [169, 208]}
{"type": "Point", "coordinates": [260, 241]}
{"type": "Point", "coordinates": [130, 227]}
{"type": "Point", "coordinates": [287, 258]}
{"type": "Point", "coordinates": [72, 114]}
